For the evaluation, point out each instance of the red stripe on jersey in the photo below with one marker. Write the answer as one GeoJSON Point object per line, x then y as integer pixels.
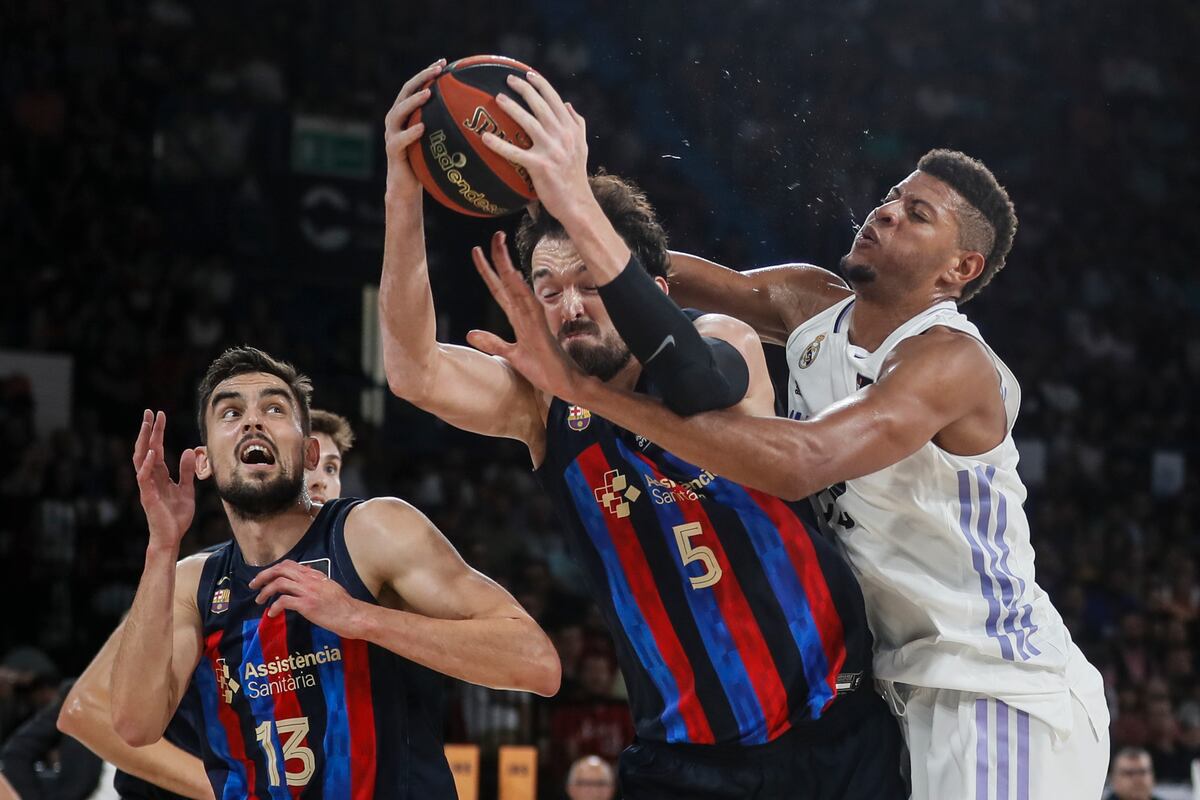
{"type": "Point", "coordinates": [272, 636]}
{"type": "Point", "coordinates": [800, 550]}
{"type": "Point", "coordinates": [225, 713]}
{"type": "Point", "coordinates": [594, 465]}
{"type": "Point", "coordinates": [356, 668]}
{"type": "Point", "coordinates": [739, 618]}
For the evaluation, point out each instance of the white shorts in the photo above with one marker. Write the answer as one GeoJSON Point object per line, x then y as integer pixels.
{"type": "Point", "coordinates": [965, 746]}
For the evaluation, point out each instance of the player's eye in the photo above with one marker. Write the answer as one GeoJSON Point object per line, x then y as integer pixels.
{"type": "Point", "coordinates": [550, 294]}
{"type": "Point", "coordinates": [229, 413]}
{"type": "Point", "coordinates": [275, 409]}
{"type": "Point", "coordinates": [330, 469]}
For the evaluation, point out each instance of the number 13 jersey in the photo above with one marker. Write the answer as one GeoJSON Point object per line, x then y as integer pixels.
{"type": "Point", "coordinates": [735, 621]}
{"type": "Point", "coordinates": [291, 709]}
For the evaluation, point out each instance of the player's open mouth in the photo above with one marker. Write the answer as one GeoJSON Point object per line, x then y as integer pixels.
{"type": "Point", "coordinates": [257, 453]}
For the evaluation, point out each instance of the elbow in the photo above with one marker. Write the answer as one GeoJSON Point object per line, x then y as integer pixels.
{"type": "Point", "coordinates": [548, 677]}
{"type": "Point", "coordinates": [132, 730]}
{"type": "Point", "coordinates": [543, 675]}
{"type": "Point", "coordinates": [73, 717]}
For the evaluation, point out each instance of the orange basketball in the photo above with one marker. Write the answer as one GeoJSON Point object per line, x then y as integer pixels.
{"type": "Point", "coordinates": [451, 160]}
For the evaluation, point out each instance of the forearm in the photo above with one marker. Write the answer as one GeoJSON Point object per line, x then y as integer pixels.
{"type": "Point", "coordinates": [781, 457]}
{"type": "Point", "coordinates": [141, 683]}
{"type": "Point", "coordinates": [500, 653]}
{"type": "Point", "coordinates": [596, 241]}
{"type": "Point", "coordinates": [86, 716]}
{"type": "Point", "coordinates": [408, 322]}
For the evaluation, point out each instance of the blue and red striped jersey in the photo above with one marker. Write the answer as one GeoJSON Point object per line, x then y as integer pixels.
{"type": "Point", "coordinates": [290, 709]}
{"type": "Point", "coordinates": [735, 621]}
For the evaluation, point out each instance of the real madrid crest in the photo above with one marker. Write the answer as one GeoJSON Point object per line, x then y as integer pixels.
{"type": "Point", "coordinates": [810, 353]}
{"type": "Point", "coordinates": [578, 418]}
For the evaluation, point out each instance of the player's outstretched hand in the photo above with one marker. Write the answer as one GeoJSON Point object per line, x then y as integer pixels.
{"type": "Point", "coordinates": [557, 159]}
{"type": "Point", "coordinates": [311, 594]}
{"type": "Point", "coordinates": [535, 353]}
{"type": "Point", "coordinates": [169, 506]}
{"type": "Point", "coordinates": [401, 182]}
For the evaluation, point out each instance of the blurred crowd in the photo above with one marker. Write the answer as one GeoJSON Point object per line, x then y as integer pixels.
{"type": "Point", "coordinates": [145, 151]}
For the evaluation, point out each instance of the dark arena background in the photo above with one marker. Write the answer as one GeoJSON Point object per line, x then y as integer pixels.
{"type": "Point", "coordinates": [178, 177]}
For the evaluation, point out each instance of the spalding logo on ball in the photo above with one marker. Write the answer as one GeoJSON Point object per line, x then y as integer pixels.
{"type": "Point", "coordinates": [450, 159]}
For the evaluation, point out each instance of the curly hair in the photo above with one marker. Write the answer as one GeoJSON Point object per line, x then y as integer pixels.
{"type": "Point", "coordinates": [988, 222]}
{"type": "Point", "coordinates": [627, 209]}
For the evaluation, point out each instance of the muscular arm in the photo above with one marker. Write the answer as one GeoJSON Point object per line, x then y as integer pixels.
{"type": "Point", "coordinates": [933, 386]}
{"type": "Point", "coordinates": [446, 616]}
{"type": "Point", "coordinates": [86, 715]}
{"type": "Point", "coordinates": [773, 300]}
{"type": "Point", "coordinates": [465, 388]}
{"type": "Point", "coordinates": [159, 648]}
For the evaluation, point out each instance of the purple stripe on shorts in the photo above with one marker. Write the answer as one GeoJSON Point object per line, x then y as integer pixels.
{"type": "Point", "coordinates": [1022, 755]}
{"type": "Point", "coordinates": [977, 561]}
{"type": "Point", "coordinates": [1001, 750]}
{"type": "Point", "coordinates": [981, 749]}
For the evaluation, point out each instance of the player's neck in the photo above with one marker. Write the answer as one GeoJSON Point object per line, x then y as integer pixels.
{"type": "Point", "coordinates": [264, 540]}
{"type": "Point", "coordinates": [873, 320]}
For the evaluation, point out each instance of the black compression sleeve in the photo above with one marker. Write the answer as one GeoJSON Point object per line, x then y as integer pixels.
{"type": "Point", "coordinates": [694, 373]}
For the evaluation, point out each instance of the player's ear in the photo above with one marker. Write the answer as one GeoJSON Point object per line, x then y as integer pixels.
{"type": "Point", "coordinates": [662, 284]}
{"type": "Point", "coordinates": [966, 268]}
{"type": "Point", "coordinates": [203, 465]}
{"type": "Point", "coordinates": [312, 452]}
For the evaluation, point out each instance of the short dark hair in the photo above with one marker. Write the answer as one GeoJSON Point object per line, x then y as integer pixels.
{"type": "Point", "coordinates": [336, 427]}
{"type": "Point", "coordinates": [242, 360]}
{"type": "Point", "coordinates": [627, 209]}
{"type": "Point", "coordinates": [989, 223]}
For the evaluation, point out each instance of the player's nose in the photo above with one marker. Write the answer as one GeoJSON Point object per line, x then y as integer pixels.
{"type": "Point", "coordinates": [572, 304]}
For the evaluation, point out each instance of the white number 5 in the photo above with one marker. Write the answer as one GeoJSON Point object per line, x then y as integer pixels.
{"type": "Point", "coordinates": [703, 554]}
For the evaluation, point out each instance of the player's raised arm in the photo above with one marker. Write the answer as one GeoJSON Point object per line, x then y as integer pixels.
{"type": "Point", "coordinates": [773, 300]}
{"type": "Point", "coordinates": [461, 386]}
{"type": "Point", "coordinates": [455, 620]}
{"type": "Point", "coordinates": [86, 715]}
{"type": "Point", "coordinates": [162, 641]}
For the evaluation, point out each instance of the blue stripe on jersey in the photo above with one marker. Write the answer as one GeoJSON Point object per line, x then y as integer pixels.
{"type": "Point", "coordinates": [336, 743]}
{"type": "Point", "coordinates": [263, 709]}
{"type": "Point", "coordinates": [206, 686]}
{"type": "Point", "coordinates": [785, 584]}
{"type": "Point", "coordinates": [714, 632]}
{"type": "Point", "coordinates": [635, 625]}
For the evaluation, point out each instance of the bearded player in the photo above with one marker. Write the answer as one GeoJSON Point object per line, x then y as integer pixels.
{"type": "Point", "coordinates": [902, 421]}
{"type": "Point", "coordinates": [172, 767]}
{"type": "Point", "coordinates": [311, 637]}
{"type": "Point", "coordinates": [739, 631]}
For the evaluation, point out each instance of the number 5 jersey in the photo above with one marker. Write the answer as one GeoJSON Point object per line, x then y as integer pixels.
{"type": "Point", "coordinates": [735, 621]}
{"type": "Point", "coordinates": [290, 709]}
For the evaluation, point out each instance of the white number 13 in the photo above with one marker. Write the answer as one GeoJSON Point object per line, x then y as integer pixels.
{"type": "Point", "coordinates": [703, 554]}
{"type": "Point", "coordinates": [292, 731]}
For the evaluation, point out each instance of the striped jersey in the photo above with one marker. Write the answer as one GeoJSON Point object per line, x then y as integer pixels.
{"type": "Point", "coordinates": [290, 709]}
{"type": "Point", "coordinates": [734, 620]}
{"type": "Point", "coordinates": [940, 542]}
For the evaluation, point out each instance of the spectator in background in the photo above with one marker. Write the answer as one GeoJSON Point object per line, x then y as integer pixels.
{"type": "Point", "coordinates": [591, 778]}
{"type": "Point", "coordinates": [1132, 776]}
{"type": "Point", "coordinates": [42, 764]}
{"type": "Point", "coordinates": [593, 720]}
{"type": "Point", "coordinates": [28, 682]}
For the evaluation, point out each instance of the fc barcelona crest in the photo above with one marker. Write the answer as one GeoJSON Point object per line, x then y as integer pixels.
{"type": "Point", "coordinates": [810, 353]}
{"type": "Point", "coordinates": [578, 418]}
{"type": "Point", "coordinates": [220, 601]}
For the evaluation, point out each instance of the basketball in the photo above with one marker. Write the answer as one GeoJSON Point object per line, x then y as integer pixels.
{"type": "Point", "coordinates": [451, 160]}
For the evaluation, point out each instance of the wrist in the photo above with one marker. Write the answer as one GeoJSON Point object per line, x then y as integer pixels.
{"type": "Point", "coordinates": [360, 622]}
{"type": "Point", "coordinates": [162, 553]}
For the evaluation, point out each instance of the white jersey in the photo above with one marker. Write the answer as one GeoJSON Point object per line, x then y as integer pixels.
{"type": "Point", "coordinates": [940, 543]}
